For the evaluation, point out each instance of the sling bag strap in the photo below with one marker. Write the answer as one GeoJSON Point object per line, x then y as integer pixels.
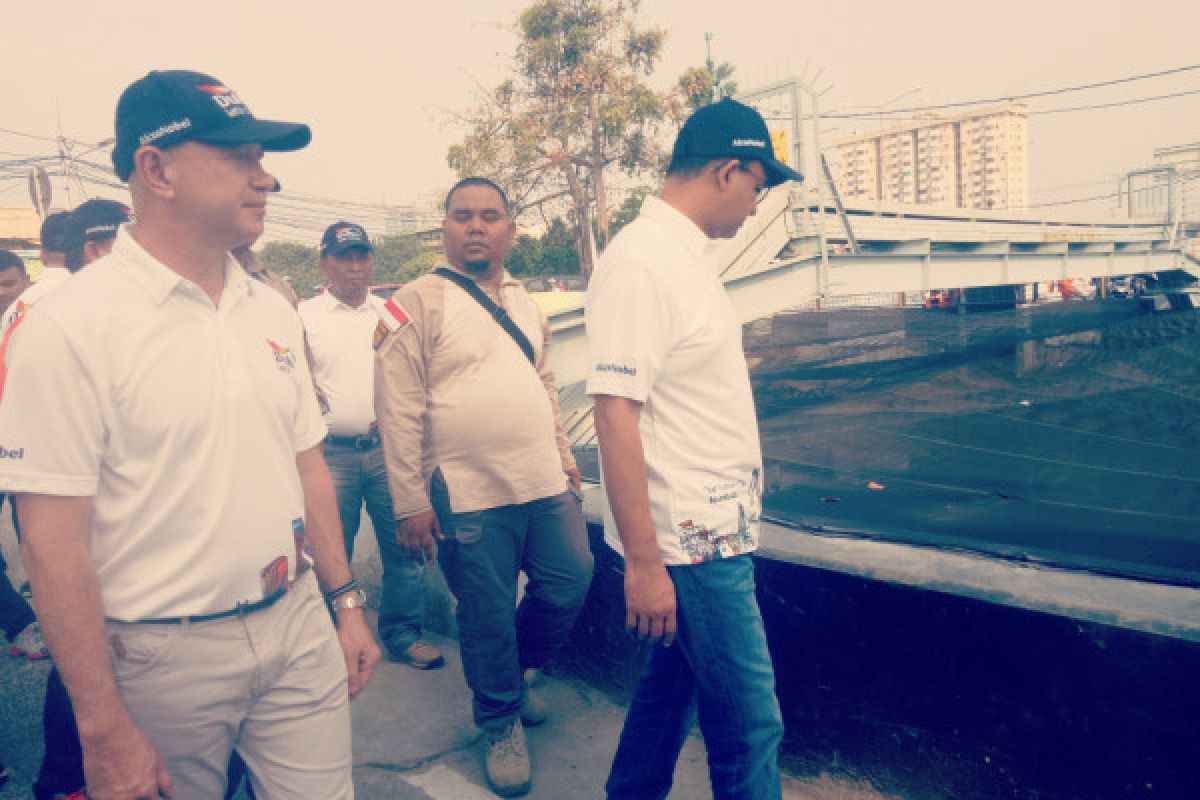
{"type": "Point", "coordinates": [499, 314]}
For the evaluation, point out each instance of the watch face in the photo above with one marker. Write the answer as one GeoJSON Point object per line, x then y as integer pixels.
{"type": "Point", "coordinates": [355, 599]}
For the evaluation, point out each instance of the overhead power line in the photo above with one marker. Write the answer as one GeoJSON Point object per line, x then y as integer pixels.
{"type": "Point", "coordinates": [1006, 98]}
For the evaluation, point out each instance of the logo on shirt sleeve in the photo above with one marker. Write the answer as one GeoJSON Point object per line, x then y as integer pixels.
{"type": "Point", "coordinates": [283, 356]}
{"type": "Point", "coordinates": [15, 454]}
{"type": "Point", "coordinates": [392, 317]}
{"type": "Point", "coordinates": [616, 369]}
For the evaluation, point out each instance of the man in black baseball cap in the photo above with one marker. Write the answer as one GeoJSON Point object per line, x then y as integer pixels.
{"type": "Point", "coordinates": [660, 328]}
{"type": "Point", "coordinates": [729, 129]}
{"type": "Point", "coordinates": [342, 237]}
{"type": "Point", "coordinates": [184, 614]}
{"type": "Point", "coordinates": [92, 229]}
{"type": "Point", "coordinates": [168, 107]}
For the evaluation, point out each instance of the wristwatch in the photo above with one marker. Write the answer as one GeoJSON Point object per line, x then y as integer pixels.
{"type": "Point", "coordinates": [355, 598]}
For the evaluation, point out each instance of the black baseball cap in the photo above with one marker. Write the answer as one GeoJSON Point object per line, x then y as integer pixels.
{"type": "Point", "coordinates": [168, 107]}
{"type": "Point", "coordinates": [341, 237]}
{"type": "Point", "coordinates": [95, 220]}
{"type": "Point", "coordinates": [729, 129]}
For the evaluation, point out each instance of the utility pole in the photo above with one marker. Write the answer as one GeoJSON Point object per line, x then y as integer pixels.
{"type": "Point", "coordinates": [712, 68]}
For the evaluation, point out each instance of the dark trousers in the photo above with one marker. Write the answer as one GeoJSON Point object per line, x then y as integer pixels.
{"type": "Point", "coordinates": [360, 478]}
{"type": "Point", "coordinates": [15, 613]}
{"type": "Point", "coordinates": [62, 762]}
{"type": "Point", "coordinates": [719, 669]}
{"type": "Point", "coordinates": [481, 555]}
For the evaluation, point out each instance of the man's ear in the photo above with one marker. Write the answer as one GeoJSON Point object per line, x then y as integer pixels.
{"type": "Point", "coordinates": [153, 168]}
{"type": "Point", "coordinates": [723, 174]}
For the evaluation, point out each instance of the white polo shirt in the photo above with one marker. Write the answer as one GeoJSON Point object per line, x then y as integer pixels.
{"type": "Point", "coordinates": [181, 419]}
{"type": "Point", "coordinates": [662, 331]}
{"type": "Point", "coordinates": [343, 360]}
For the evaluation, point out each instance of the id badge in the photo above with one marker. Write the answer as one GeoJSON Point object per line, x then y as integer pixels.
{"type": "Point", "coordinates": [274, 577]}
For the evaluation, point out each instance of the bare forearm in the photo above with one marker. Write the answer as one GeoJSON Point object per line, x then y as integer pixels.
{"type": "Point", "coordinates": [54, 547]}
{"type": "Point", "coordinates": [323, 526]}
{"type": "Point", "coordinates": [624, 464]}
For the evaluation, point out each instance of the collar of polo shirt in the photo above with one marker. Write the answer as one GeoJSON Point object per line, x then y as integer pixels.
{"type": "Point", "coordinates": [691, 236]}
{"type": "Point", "coordinates": [159, 281]}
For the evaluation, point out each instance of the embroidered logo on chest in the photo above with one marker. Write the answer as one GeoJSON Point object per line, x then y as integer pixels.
{"type": "Point", "coordinates": [283, 356]}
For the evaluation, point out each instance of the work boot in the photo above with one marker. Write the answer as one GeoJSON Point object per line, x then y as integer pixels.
{"type": "Point", "coordinates": [506, 763]}
{"type": "Point", "coordinates": [533, 706]}
{"type": "Point", "coordinates": [419, 655]}
{"type": "Point", "coordinates": [29, 643]}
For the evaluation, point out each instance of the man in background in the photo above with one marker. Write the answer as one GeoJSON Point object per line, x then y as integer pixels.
{"type": "Point", "coordinates": [479, 467]}
{"type": "Point", "coordinates": [339, 324]}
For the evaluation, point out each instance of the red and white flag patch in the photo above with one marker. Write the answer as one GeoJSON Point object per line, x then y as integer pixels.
{"type": "Point", "coordinates": [393, 316]}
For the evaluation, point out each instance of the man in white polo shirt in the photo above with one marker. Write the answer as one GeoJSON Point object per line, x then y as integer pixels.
{"type": "Point", "coordinates": [146, 395]}
{"type": "Point", "coordinates": [682, 468]}
{"type": "Point", "coordinates": [340, 323]}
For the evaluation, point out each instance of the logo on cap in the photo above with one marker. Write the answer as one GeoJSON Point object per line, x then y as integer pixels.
{"type": "Point", "coordinates": [225, 98]}
{"type": "Point", "coordinates": [748, 143]}
{"type": "Point", "coordinates": [348, 235]}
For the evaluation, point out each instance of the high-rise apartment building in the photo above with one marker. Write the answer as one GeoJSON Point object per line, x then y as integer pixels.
{"type": "Point", "coordinates": [976, 160]}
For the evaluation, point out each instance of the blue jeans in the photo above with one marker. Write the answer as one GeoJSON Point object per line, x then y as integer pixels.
{"type": "Point", "coordinates": [360, 476]}
{"type": "Point", "coordinates": [481, 556]}
{"type": "Point", "coordinates": [719, 668]}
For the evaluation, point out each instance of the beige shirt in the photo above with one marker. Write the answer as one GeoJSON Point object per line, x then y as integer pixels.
{"type": "Point", "coordinates": [454, 391]}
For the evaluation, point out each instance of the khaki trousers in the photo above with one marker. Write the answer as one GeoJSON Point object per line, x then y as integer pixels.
{"type": "Point", "coordinates": [271, 683]}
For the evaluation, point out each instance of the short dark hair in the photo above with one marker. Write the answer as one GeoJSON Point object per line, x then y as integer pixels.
{"type": "Point", "coordinates": [10, 260]}
{"type": "Point", "coordinates": [475, 180]}
{"type": "Point", "coordinates": [54, 232]}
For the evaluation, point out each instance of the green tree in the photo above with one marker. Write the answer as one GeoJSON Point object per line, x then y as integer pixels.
{"type": "Point", "coordinates": [630, 207]}
{"type": "Point", "coordinates": [551, 254]}
{"type": "Point", "coordinates": [392, 256]}
{"type": "Point", "coordinates": [699, 86]}
{"type": "Point", "coordinates": [576, 109]}
{"type": "Point", "coordinates": [295, 261]}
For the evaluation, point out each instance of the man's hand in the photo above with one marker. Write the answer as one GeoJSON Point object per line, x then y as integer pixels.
{"type": "Point", "coordinates": [650, 602]}
{"type": "Point", "coordinates": [123, 765]}
{"type": "Point", "coordinates": [419, 533]}
{"type": "Point", "coordinates": [575, 477]}
{"type": "Point", "coordinates": [361, 652]}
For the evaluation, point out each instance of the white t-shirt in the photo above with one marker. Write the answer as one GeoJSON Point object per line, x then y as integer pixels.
{"type": "Point", "coordinates": [343, 360]}
{"type": "Point", "coordinates": [181, 419]}
{"type": "Point", "coordinates": [662, 331]}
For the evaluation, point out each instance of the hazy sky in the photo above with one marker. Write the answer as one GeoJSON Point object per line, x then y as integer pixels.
{"type": "Point", "coordinates": [377, 80]}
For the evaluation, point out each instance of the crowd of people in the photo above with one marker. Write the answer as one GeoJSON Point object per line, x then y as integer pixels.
{"type": "Point", "coordinates": [188, 452]}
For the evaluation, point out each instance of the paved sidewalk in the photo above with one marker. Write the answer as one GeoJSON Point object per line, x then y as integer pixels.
{"type": "Point", "coordinates": [413, 737]}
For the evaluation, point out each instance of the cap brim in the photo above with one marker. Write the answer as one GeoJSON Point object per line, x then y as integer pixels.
{"type": "Point", "coordinates": [778, 172]}
{"type": "Point", "coordinates": [341, 248]}
{"type": "Point", "coordinates": [275, 137]}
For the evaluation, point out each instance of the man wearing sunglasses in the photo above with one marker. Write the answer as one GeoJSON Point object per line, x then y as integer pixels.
{"type": "Point", "coordinates": [682, 467]}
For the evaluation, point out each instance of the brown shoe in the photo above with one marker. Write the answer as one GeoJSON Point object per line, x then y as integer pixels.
{"type": "Point", "coordinates": [506, 762]}
{"type": "Point", "coordinates": [533, 706]}
{"type": "Point", "coordinates": [420, 655]}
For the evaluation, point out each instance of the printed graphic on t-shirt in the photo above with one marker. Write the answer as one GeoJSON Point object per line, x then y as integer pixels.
{"type": "Point", "coordinates": [702, 543]}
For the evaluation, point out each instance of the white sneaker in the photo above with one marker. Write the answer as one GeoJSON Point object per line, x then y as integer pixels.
{"type": "Point", "coordinates": [29, 643]}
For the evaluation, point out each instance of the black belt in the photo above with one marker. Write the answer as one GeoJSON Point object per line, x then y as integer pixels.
{"type": "Point", "coordinates": [240, 609]}
{"type": "Point", "coordinates": [368, 441]}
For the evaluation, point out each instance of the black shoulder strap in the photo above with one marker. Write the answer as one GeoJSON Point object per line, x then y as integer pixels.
{"type": "Point", "coordinates": [499, 314]}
